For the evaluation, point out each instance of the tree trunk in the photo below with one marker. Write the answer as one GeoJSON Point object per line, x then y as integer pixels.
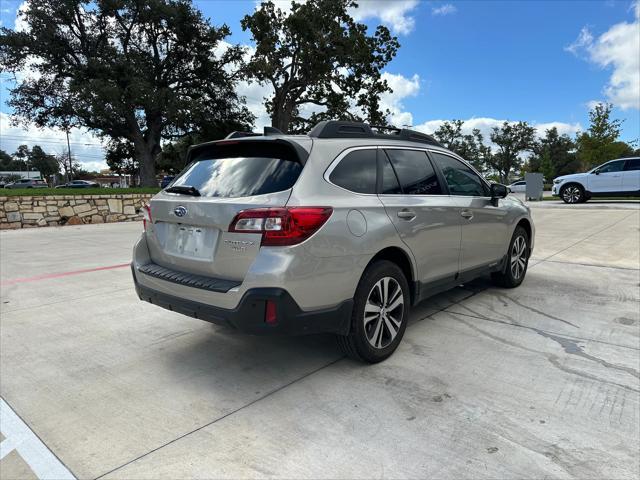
{"type": "Point", "coordinates": [146, 163]}
{"type": "Point", "coordinates": [282, 112]}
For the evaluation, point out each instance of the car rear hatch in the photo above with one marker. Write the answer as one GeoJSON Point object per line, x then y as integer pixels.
{"type": "Point", "coordinates": [188, 231]}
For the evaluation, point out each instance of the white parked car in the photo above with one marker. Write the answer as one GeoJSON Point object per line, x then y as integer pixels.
{"type": "Point", "coordinates": [616, 178]}
{"type": "Point", "coordinates": [518, 187]}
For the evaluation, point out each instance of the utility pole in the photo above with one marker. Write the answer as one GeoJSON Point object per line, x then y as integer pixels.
{"type": "Point", "coordinates": [70, 171]}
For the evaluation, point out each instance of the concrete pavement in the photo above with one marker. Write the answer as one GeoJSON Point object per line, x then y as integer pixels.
{"type": "Point", "coordinates": [488, 383]}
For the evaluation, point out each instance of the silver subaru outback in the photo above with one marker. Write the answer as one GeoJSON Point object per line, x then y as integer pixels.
{"type": "Point", "coordinates": [341, 230]}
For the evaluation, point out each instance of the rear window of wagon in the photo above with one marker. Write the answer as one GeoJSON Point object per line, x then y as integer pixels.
{"type": "Point", "coordinates": [241, 169]}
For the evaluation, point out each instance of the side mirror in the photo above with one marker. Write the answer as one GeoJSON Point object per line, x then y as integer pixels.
{"type": "Point", "coordinates": [596, 172]}
{"type": "Point", "coordinates": [499, 191]}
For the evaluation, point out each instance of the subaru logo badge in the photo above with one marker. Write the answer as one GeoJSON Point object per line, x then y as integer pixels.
{"type": "Point", "coordinates": [180, 211]}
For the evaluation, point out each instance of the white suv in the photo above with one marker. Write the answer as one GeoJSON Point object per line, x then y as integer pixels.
{"type": "Point", "coordinates": [619, 177]}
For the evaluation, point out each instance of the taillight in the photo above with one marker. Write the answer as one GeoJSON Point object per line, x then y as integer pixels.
{"type": "Point", "coordinates": [146, 216]}
{"type": "Point", "coordinates": [281, 226]}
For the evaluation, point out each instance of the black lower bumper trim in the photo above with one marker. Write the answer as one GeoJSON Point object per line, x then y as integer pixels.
{"type": "Point", "coordinates": [249, 315]}
{"type": "Point", "coordinates": [188, 279]}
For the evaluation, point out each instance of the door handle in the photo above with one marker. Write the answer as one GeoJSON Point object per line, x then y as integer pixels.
{"type": "Point", "coordinates": [406, 214]}
{"type": "Point", "coordinates": [468, 214]}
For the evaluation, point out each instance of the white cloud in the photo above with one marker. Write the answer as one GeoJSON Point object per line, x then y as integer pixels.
{"type": "Point", "coordinates": [85, 147]}
{"type": "Point", "coordinates": [584, 40]}
{"type": "Point", "coordinates": [486, 124]}
{"type": "Point", "coordinates": [619, 49]}
{"type": "Point", "coordinates": [446, 9]}
{"type": "Point", "coordinates": [20, 25]}
{"type": "Point", "coordinates": [393, 13]}
{"type": "Point", "coordinates": [403, 88]}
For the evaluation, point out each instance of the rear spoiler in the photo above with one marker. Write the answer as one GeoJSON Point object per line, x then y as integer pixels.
{"type": "Point", "coordinates": [284, 147]}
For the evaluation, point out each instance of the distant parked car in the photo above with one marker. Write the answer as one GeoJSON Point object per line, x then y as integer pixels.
{"type": "Point", "coordinates": [518, 187]}
{"type": "Point", "coordinates": [27, 183]}
{"type": "Point", "coordinates": [619, 178]}
{"type": "Point", "coordinates": [166, 180]}
{"type": "Point", "coordinates": [79, 184]}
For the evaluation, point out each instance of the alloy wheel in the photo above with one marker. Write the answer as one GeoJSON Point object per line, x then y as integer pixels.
{"type": "Point", "coordinates": [518, 257]}
{"type": "Point", "coordinates": [383, 312]}
{"type": "Point", "coordinates": [572, 194]}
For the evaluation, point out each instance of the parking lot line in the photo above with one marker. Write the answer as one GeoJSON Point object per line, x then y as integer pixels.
{"type": "Point", "coordinates": [48, 276]}
{"type": "Point", "coordinates": [19, 437]}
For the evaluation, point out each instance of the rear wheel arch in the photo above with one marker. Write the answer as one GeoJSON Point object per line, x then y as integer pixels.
{"type": "Point", "coordinates": [402, 259]}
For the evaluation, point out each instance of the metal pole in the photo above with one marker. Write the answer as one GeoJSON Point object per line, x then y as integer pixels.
{"type": "Point", "coordinates": [70, 171]}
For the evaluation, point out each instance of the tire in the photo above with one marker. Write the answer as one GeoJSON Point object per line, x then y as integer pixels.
{"type": "Point", "coordinates": [517, 261]}
{"type": "Point", "coordinates": [374, 341]}
{"type": "Point", "coordinates": [573, 193]}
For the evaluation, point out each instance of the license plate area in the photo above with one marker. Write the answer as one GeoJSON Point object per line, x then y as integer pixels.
{"type": "Point", "coordinates": [190, 241]}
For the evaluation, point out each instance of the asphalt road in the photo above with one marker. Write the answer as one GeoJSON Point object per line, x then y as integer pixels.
{"type": "Point", "coordinates": [541, 381]}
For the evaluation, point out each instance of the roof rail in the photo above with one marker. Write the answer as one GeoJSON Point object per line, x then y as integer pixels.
{"type": "Point", "coordinates": [342, 129]}
{"type": "Point", "coordinates": [268, 132]}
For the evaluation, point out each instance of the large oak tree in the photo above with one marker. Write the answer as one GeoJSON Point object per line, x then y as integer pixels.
{"type": "Point", "coordinates": [318, 57]}
{"type": "Point", "coordinates": [131, 70]}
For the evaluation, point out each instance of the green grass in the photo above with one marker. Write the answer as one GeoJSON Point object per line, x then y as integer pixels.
{"type": "Point", "coordinates": [32, 192]}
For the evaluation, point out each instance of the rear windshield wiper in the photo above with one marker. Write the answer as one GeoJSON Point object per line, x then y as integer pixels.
{"type": "Point", "coordinates": [183, 189]}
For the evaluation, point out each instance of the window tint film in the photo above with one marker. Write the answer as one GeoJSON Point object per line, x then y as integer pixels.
{"type": "Point", "coordinates": [612, 167]}
{"type": "Point", "coordinates": [414, 171]}
{"type": "Point", "coordinates": [460, 178]}
{"type": "Point", "coordinates": [357, 172]}
{"type": "Point", "coordinates": [390, 185]}
{"type": "Point", "coordinates": [241, 171]}
{"type": "Point", "coordinates": [633, 164]}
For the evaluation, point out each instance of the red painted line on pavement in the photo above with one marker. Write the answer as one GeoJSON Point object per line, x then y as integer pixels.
{"type": "Point", "coordinates": [61, 274]}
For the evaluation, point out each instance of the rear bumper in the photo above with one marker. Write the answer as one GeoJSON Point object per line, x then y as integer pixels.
{"type": "Point", "coordinates": [249, 315]}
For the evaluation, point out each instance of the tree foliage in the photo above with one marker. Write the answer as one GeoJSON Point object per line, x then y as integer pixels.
{"type": "Point", "coordinates": [10, 164]}
{"type": "Point", "coordinates": [511, 140]}
{"type": "Point", "coordinates": [318, 57]}
{"type": "Point", "coordinates": [554, 155]}
{"type": "Point", "coordinates": [471, 146]}
{"type": "Point", "coordinates": [45, 163]}
{"type": "Point", "coordinates": [600, 142]}
{"type": "Point", "coordinates": [127, 69]}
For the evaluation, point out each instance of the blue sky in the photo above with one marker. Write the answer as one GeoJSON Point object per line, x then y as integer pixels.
{"type": "Point", "coordinates": [481, 61]}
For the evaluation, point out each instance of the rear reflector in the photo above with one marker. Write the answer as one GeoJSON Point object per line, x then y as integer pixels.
{"type": "Point", "coordinates": [281, 226]}
{"type": "Point", "coordinates": [270, 314]}
{"type": "Point", "coordinates": [146, 216]}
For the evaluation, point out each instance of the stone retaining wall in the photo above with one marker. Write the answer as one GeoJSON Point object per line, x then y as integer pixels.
{"type": "Point", "coordinates": [44, 211]}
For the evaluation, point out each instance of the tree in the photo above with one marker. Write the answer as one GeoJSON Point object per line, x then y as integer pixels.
{"type": "Point", "coordinates": [554, 155]}
{"type": "Point", "coordinates": [471, 146]}
{"type": "Point", "coordinates": [135, 70]}
{"type": "Point", "coordinates": [600, 142]}
{"type": "Point", "coordinates": [121, 157]}
{"type": "Point", "coordinates": [512, 139]}
{"type": "Point", "coordinates": [173, 156]}
{"type": "Point", "coordinates": [9, 164]}
{"type": "Point", "coordinates": [46, 164]}
{"type": "Point", "coordinates": [318, 57]}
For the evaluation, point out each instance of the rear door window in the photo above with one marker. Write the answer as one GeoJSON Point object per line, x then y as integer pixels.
{"type": "Point", "coordinates": [632, 164]}
{"type": "Point", "coordinates": [241, 170]}
{"type": "Point", "coordinates": [415, 172]}
{"type": "Point", "coordinates": [356, 172]}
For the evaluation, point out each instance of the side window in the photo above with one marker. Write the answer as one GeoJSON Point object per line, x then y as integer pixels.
{"type": "Point", "coordinates": [390, 183]}
{"type": "Point", "coordinates": [460, 178]}
{"type": "Point", "coordinates": [612, 167]}
{"type": "Point", "coordinates": [415, 172]}
{"type": "Point", "coordinates": [357, 172]}
{"type": "Point", "coordinates": [633, 164]}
